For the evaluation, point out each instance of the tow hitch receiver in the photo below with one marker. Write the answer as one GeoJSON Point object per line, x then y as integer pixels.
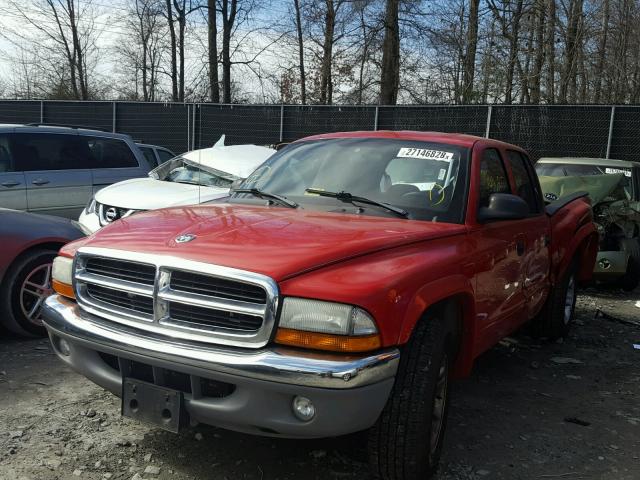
{"type": "Point", "coordinates": [152, 404]}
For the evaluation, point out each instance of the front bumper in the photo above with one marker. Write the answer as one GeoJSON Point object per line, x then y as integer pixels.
{"type": "Point", "coordinates": [610, 264]}
{"type": "Point", "coordinates": [349, 392]}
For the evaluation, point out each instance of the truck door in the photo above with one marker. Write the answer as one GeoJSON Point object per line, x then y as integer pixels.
{"type": "Point", "coordinates": [499, 294]}
{"type": "Point", "coordinates": [535, 261]}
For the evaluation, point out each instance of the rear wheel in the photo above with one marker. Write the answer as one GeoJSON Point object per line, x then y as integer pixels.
{"type": "Point", "coordinates": [25, 287]}
{"type": "Point", "coordinates": [557, 314]}
{"type": "Point", "coordinates": [630, 280]}
{"type": "Point", "coordinates": [406, 441]}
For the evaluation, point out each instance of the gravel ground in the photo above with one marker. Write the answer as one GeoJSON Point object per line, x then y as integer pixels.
{"type": "Point", "coordinates": [529, 411]}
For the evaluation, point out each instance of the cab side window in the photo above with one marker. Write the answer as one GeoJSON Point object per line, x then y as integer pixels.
{"type": "Point", "coordinates": [493, 176]}
{"type": "Point", "coordinates": [526, 188]}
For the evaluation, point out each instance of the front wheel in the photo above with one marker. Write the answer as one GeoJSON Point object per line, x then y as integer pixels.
{"type": "Point", "coordinates": [630, 280]}
{"type": "Point", "coordinates": [25, 287]}
{"type": "Point", "coordinates": [406, 441]}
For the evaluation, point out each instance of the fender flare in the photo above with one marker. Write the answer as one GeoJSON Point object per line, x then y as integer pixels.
{"type": "Point", "coordinates": [584, 242]}
{"type": "Point", "coordinates": [456, 286]}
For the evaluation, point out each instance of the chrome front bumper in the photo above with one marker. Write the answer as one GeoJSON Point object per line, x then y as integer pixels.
{"type": "Point", "coordinates": [349, 391]}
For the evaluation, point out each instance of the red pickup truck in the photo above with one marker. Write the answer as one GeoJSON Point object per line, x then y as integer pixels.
{"type": "Point", "coordinates": [338, 289]}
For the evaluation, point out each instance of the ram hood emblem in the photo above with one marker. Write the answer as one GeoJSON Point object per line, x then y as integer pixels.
{"type": "Point", "coordinates": [187, 237]}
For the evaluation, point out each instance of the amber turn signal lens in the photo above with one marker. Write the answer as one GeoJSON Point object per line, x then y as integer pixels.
{"type": "Point", "coordinates": [63, 289]}
{"type": "Point", "coordinates": [324, 341]}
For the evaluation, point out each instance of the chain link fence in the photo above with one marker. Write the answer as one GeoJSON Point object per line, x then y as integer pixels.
{"type": "Point", "coordinates": [547, 130]}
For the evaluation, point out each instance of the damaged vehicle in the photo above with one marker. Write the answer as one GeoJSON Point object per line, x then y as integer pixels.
{"type": "Point", "coordinates": [613, 187]}
{"type": "Point", "coordinates": [338, 289]}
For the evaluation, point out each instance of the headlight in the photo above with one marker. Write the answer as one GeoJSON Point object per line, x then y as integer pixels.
{"type": "Point", "coordinates": [62, 276]}
{"type": "Point", "coordinates": [91, 206]}
{"type": "Point", "coordinates": [326, 326]}
{"type": "Point", "coordinates": [81, 227]}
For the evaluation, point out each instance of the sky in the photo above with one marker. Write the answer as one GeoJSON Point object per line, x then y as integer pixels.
{"type": "Point", "coordinates": [112, 31]}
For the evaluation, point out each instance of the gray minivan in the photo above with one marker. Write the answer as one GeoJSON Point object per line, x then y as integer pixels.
{"type": "Point", "coordinates": [56, 170]}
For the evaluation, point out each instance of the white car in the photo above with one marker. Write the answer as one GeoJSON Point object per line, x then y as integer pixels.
{"type": "Point", "coordinates": [194, 177]}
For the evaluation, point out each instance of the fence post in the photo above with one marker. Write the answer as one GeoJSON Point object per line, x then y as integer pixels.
{"type": "Point", "coordinates": [611, 120]}
{"type": "Point", "coordinates": [375, 119]}
{"type": "Point", "coordinates": [188, 125]}
{"type": "Point", "coordinates": [193, 127]}
{"type": "Point", "coordinates": [41, 111]}
{"type": "Point", "coordinates": [113, 120]}
{"type": "Point", "coordinates": [488, 129]}
{"type": "Point", "coordinates": [281, 122]}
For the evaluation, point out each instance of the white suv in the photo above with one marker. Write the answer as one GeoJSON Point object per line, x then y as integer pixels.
{"type": "Point", "coordinates": [194, 177]}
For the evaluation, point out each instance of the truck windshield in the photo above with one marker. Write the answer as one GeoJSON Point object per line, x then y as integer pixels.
{"type": "Point", "coordinates": [427, 180]}
{"type": "Point", "coordinates": [182, 170]}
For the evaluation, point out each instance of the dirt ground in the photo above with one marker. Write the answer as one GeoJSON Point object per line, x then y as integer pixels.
{"type": "Point", "coordinates": [529, 411]}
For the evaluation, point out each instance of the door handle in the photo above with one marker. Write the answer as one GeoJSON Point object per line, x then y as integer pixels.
{"type": "Point", "coordinates": [10, 183]}
{"type": "Point", "coordinates": [40, 181]}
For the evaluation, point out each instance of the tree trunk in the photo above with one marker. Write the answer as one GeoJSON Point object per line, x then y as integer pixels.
{"type": "Point", "coordinates": [182, 21]}
{"type": "Point", "coordinates": [78, 50]}
{"type": "Point", "coordinates": [470, 53]}
{"type": "Point", "coordinates": [174, 59]}
{"type": "Point", "coordinates": [536, 79]}
{"type": "Point", "coordinates": [550, 52]}
{"type": "Point", "coordinates": [303, 80]}
{"type": "Point", "coordinates": [602, 49]}
{"type": "Point", "coordinates": [571, 50]}
{"type": "Point", "coordinates": [214, 85]}
{"type": "Point", "coordinates": [229, 10]}
{"type": "Point", "coordinates": [513, 52]}
{"type": "Point", "coordinates": [326, 81]}
{"type": "Point", "coordinates": [390, 76]}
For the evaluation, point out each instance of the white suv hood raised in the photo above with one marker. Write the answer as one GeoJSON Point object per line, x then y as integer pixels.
{"type": "Point", "coordinates": [150, 194]}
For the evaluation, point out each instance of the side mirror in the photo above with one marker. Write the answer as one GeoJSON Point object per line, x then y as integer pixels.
{"type": "Point", "coordinates": [236, 183]}
{"type": "Point", "coordinates": [503, 206]}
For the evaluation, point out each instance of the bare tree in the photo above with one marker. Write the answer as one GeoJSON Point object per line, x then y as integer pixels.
{"type": "Point", "coordinates": [62, 35]}
{"type": "Point", "coordinates": [303, 80]}
{"type": "Point", "coordinates": [470, 53]}
{"type": "Point", "coordinates": [212, 37]}
{"type": "Point", "coordinates": [140, 48]}
{"type": "Point", "coordinates": [390, 75]}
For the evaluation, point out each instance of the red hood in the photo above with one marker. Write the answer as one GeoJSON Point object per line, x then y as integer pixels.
{"type": "Point", "coordinates": [274, 241]}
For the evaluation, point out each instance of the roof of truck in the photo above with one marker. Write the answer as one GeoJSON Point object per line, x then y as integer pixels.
{"type": "Point", "coordinates": [459, 139]}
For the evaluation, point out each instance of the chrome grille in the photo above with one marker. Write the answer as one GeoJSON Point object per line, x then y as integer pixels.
{"type": "Point", "coordinates": [183, 299]}
{"type": "Point", "coordinates": [130, 301]}
{"type": "Point", "coordinates": [217, 287]}
{"type": "Point", "coordinates": [208, 317]}
{"type": "Point", "coordinates": [119, 269]}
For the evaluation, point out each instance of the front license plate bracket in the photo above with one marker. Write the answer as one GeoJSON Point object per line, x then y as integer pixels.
{"type": "Point", "coordinates": [149, 403]}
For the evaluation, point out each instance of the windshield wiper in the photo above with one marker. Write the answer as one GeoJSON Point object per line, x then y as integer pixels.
{"type": "Point", "coordinates": [262, 194]}
{"type": "Point", "coordinates": [347, 197]}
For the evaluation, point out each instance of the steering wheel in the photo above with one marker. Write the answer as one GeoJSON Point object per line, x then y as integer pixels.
{"type": "Point", "coordinates": [439, 195]}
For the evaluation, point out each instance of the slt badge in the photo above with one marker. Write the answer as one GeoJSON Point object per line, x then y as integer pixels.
{"type": "Point", "coordinates": [187, 237]}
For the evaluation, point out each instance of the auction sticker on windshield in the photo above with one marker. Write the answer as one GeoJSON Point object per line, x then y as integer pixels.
{"type": "Point", "coordinates": [425, 153]}
{"type": "Point", "coordinates": [625, 171]}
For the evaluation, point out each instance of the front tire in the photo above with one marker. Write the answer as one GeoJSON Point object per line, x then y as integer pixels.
{"type": "Point", "coordinates": [25, 287]}
{"type": "Point", "coordinates": [406, 441]}
{"type": "Point", "coordinates": [630, 280]}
